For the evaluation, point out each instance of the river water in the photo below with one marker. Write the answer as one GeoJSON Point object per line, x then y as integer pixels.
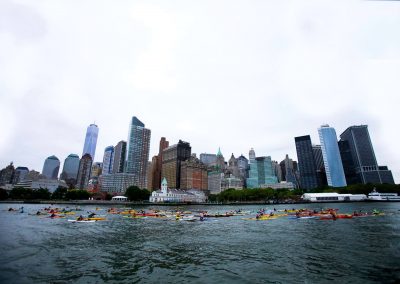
{"type": "Point", "coordinates": [36, 249]}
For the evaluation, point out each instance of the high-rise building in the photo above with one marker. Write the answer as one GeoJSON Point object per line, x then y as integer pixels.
{"type": "Point", "coordinates": [320, 167]}
{"type": "Point", "coordinates": [276, 168]}
{"type": "Point", "coordinates": [331, 154]}
{"type": "Point", "coordinates": [157, 165]}
{"type": "Point", "coordinates": [119, 157]}
{"type": "Point", "coordinates": [261, 171]}
{"type": "Point", "coordinates": [172, 158]}
{"type": "Point", "coordinates": [20, 174]}
{"type": "Point", "coordinates": [233, 167]}
{"type": "Point", "coordinates": [108, 160]}
{"type": "Point", "coordinates": [220, 161]}
{"type": "Point", "coordinates": [70, 169]}
{"type": "Point", "coordinates": [138, 148]}
{"type": "Point", "coordinates": [85, 168]}
{"type": "Point", "coordinates": [91, 140]}
{"type": "Point", "coordinates": [243, 165]}
{"type": "Point", "coordinates": [193, 174]}
{"type": "Point", "coordinates": [208, 159]}
{"type": "Point", "coordinates": [306, 162]}
{"type": "Point", "coordinates": [97, 169]}
{"type": "Point", "coordinates": [359, 158]}
{"type": "Point", "coordinates": [7, 174]}
{"type": "Point", "coordinates": [51, 167]}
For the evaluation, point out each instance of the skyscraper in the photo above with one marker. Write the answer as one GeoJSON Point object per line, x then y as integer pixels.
{"type": "Point", "coordinates": [156, 168]}
{"type": "Point", "coordinates": [85, 168]}
{"type": "Point", "coordinates": [193, 174]}
{"type": "Point", "coordinates": [91, 140]}
{"type": "Point", "coordinates": [51, 167]}
{"type": "Point", "coordinates": [70, 169]}
{"type": "Point", "coordinates": [261, 171]}
{"type": "Point", "coordinates": [108, 160]}
{"type": "Point", "coordinates": [138, 148]}
{"type": "Point", "coordinates": [119, 157]}
{"type": "Point", "coordinates": [172, 158]}
{"type": "Point", "coordinates": [307, 167]}
{"type": "Point", "coordinates": [331, 154]}
{"type": "Point", "coordinates": [319, 163]}
{"type": "Point", "coordinates": [20, 174]}
{"type": "Point", "coordinates": [359, 158]}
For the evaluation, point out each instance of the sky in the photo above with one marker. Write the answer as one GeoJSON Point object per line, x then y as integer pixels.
{"type": "Point", "coordinates": [230, 74]}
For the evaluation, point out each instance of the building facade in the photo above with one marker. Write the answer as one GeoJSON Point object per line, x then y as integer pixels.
{"type": "Point", "coordinates": [89, 147]}
{"type": "Point", "coordinates": [306, 162]}
{"type": "Point", "coordinates": [208, 159]}
{"type": "Point", "coordinates": [359, 160]}
{"type": "Point", "coordinates": [7, 174]}
{"type": "Point", "coordinates": [108, 160]}
{"type": "Point", "coordinates": [157, 165]}
{"type": "Point", "coordinates": [20, 174]}
{"type": "Point", "coordinates": [116, 183]}
{"type": "Point", "coordinates": [172, 158]}
{"type": "Point", "coordinates": [119, 157]}
{"type": "Point", "coordinates": [331, 154]}
{"type": "Point", "coordinates": [138, 148]}
{"type": "Point", "coordinates": [261, 171]}
{"type": "Point", "coordinates": [70, 169]}
{"type": "Point", "coordinates": [51, 167]}
{"type": "Point", "coordinates": [193, 175]}
{"type": "Point", "coordinates": [85, 169]}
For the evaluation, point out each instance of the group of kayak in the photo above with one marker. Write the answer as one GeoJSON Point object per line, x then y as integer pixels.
{"type": "Point", "coordinates": [323, 214]}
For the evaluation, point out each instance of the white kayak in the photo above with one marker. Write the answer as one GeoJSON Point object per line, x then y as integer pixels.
{"type": "Point", "coordinates": [82, 221]}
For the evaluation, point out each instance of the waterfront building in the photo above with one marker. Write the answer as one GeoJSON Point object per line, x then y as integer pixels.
{"type": "Point", "coordinates": [306, 162]}
{"type": "Point", "coordinates": [193, 174]}
{"type": "Point", "coordinates": [137, 153]}
{"type": "Point", "coordinates": [7, 174]}
{"type": "Point", "coordinates": [231, 181]}
{"type": "Point", "coordinates": [108, 160]}
{"type": "Point", "coordinates": [359, 160]}
{"type": "Point", "coordinates": [279, 185]}
{"type": "Point", "coordinates": [119, 157]}
{"type": "Point", "coordinates": [51, 167]}
{"type": "Point", "coordinates": [97, 169]}
{"type": "Point", "coordinates": [332, 197]}
{"type": "Point", "coordinates": [287, 166]}
{"type": "Point", "coordinates": [116, 183]}
{"type": "Point", "coordinates": [176, 196]}
{"type": "Point", "coordinates": [89, 147]}
{"type": "Point", "coordinates": [331, 154]}
{"type": "Point", "coordinates": [260, 171]}
{"type": "Point", "coordinates": [172, 157]}
{"type": "Point", "coordinates": [20, 174]}
{"type": "Point", "coordinates": [70, 169]}
{"type": "Point", "coordinates": [276, 168]}
{"type": "Point", "coordinates": [85, 166]}
{"type": "Point", "coordinates": [220, 162]}
{"type": "Point", "coordinates": [214, 179]}
{"type": "Point", "coordinates": [150, 173]}
{"type": "Point", "coordinates": [233, 167]}
{"type": "Point", "coordinates": [34, 175]}
{"type": "Point", "coordinates": [50, 184]}
{"type": "Point", "coordinates": [157, 165]}
{"type": "Point", "coordinates": [208, 159]}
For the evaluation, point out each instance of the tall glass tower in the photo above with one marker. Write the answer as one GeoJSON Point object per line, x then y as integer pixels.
{"type": "Point", "coordinates": [307, 167]}
{"type": "Point", "coordinates": [332, 160]}
{"type": "Point", "coordinates": [51, 167]}
{"type": "Point", "coordinates": [71, 167]}
{"type": "Point", "coordinates": [108, 160]}
{"type": "Point", "coordinates": [91, 140]}
{"type": "Point", "coordinates": [137, 152]}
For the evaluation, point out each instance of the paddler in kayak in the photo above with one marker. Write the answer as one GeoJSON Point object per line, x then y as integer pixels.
{"type": "Point", "coordinates": [80, 218]}
{"type": "Point", "coordinates": [91, 215]}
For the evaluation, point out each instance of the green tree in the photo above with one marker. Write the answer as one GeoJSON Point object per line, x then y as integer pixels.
{"type": "Point", "coordinates": [3, 194]}
{"type": "Point", "coordinates": [134, 193]}
{"type": "Point", "coordinates": [60, 193]}
{"type": "Point", "coordinates": [41, 193]}
{"type": "Point", "coordinates": [21, 193]}
{"type": "Point", "coordinates": [77, 194]}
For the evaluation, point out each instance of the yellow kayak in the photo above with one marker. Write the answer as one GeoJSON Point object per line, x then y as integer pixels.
{"type": "Point", "coordinates": [96, 219]}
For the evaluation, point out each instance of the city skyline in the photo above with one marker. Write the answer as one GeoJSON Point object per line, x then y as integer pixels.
{"type": "Point", "coordinates": [191, 76]}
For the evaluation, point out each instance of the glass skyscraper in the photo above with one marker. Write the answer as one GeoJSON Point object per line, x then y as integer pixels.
{"type": "Point", "coordinates": [331, 154]}
{"type": "Point", "coordinates": [119, 157]}
{"type": "Point", "coordinates": [137, 152]}
{"type": "Point", "coordinates": [359, 158]}
{"type": "Point", "coordinates": [91, 140]}
{"type": "Point", "coordinates": [70, 168]}
{"type": "Point", "coordinates": [108, 160]}
{"type": "Point", "coordinates": [51, 167]}
{"type": "Point", "coordinates": [307, 167]}
{"type": "Point", "coordinates": [261, 172]}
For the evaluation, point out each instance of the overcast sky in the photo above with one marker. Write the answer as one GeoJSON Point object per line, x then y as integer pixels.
{"type": "Point", "coordinates": [229, 74]}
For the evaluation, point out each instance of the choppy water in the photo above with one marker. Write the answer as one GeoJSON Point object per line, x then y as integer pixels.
{"type": "Point", "coordinates": [227, 250]}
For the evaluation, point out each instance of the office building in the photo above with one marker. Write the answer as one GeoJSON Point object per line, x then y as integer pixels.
{"type": "Point", "coordinates": [359, 160]}
{"type": "Point", "coordinates": [193, 174]}
{"type": "Point", "coordinates": [331, 155]}
{"type": "Point", "coordinates": [137, 151]}
{"type": "Point", "coordinates": [261, 171]}
{"type": "Point", "coordinates": [97, 169]}
{"type": "Point", "coordinates": [172, 157]}
{"type": "Point", "coordinates": [117, 183]}
{"type": "Point", "coordinates": [108, 160]}
{"type": "Point", "coordinates": [70, 169]}
{"type": "Point", "coordinates": [51, 167]}
{"type": "Point", "coordinates": [89, 147]}
{"type": "Point", "coordinates": [306, 162]}
{"type": "Point", "coordinates": [7, 174]}
{"type": "Point", "coordinates": [85, 168]}
{"type": "Point", "coordinates": [20, 174]}
{"type": "Point", "coordinates": [208, 159]}
{"type": "Point", "coordinates": [156, 168]}
{"type": "Point", "coordinates": [119, 157]}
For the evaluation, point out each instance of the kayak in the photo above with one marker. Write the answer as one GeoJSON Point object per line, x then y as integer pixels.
{"type": "Point", "coordinates": [135, 217]}
{"type": "Point", "coordinates": [261, 218]}
{"type": "Point", "coordinates": [96, 219]}
{"type": "Point", "coordinates": [82, 221]}
{"type": "Point", "coordinates": [344, 216]}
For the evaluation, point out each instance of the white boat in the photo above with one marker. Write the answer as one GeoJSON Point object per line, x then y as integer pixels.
{"type": "Point", "coordinates": [82, 221]}
{"type": "Point", "coordinates": [376, 196]}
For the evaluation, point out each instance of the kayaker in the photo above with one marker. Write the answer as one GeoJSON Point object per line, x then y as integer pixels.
{"type": "Point", "coordinates": [80, 218]}
{"type": "Point", "coordinates": [53, 215]}
{"type": "Point", "coordinates": [91, 215]}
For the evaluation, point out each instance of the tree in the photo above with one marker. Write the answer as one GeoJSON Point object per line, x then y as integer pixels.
{"type": "Point", "coordinates": [41, 193]}
{"type": "Point", "coordinates": [60, 193]}
{"type": "Point", "coordinates": [21, 193]}
{"type": "Point", "coordinates": [3, 194]}
{"type": "Point", "coordinates": [77, 194]}
{"type": "Point", "coordinates": [134, 193]}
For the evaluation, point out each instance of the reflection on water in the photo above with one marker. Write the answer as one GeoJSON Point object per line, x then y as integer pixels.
{"type": "Point", "coordinates": [36, 249]}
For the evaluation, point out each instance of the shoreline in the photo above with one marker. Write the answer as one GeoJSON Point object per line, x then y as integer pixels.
{"type": "Point", "coordinates": [131, 203]}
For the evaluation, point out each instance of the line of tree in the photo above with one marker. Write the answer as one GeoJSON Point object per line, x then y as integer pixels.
{"type": "Point", "coordinates": [134, 193]}
{"type": "Point", "coordinates": [61, 193]}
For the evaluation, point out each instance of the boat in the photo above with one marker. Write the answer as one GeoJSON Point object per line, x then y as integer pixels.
{"type": "Point", "coordinates": [81, 221]}
{"type": "Point", "coordinates": [96, 219]}
{"type": "Point", "coordinates": [376, 196]}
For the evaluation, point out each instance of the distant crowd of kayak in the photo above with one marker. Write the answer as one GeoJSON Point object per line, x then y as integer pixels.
{"type": "Point", "coordinates": [78, 215]}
